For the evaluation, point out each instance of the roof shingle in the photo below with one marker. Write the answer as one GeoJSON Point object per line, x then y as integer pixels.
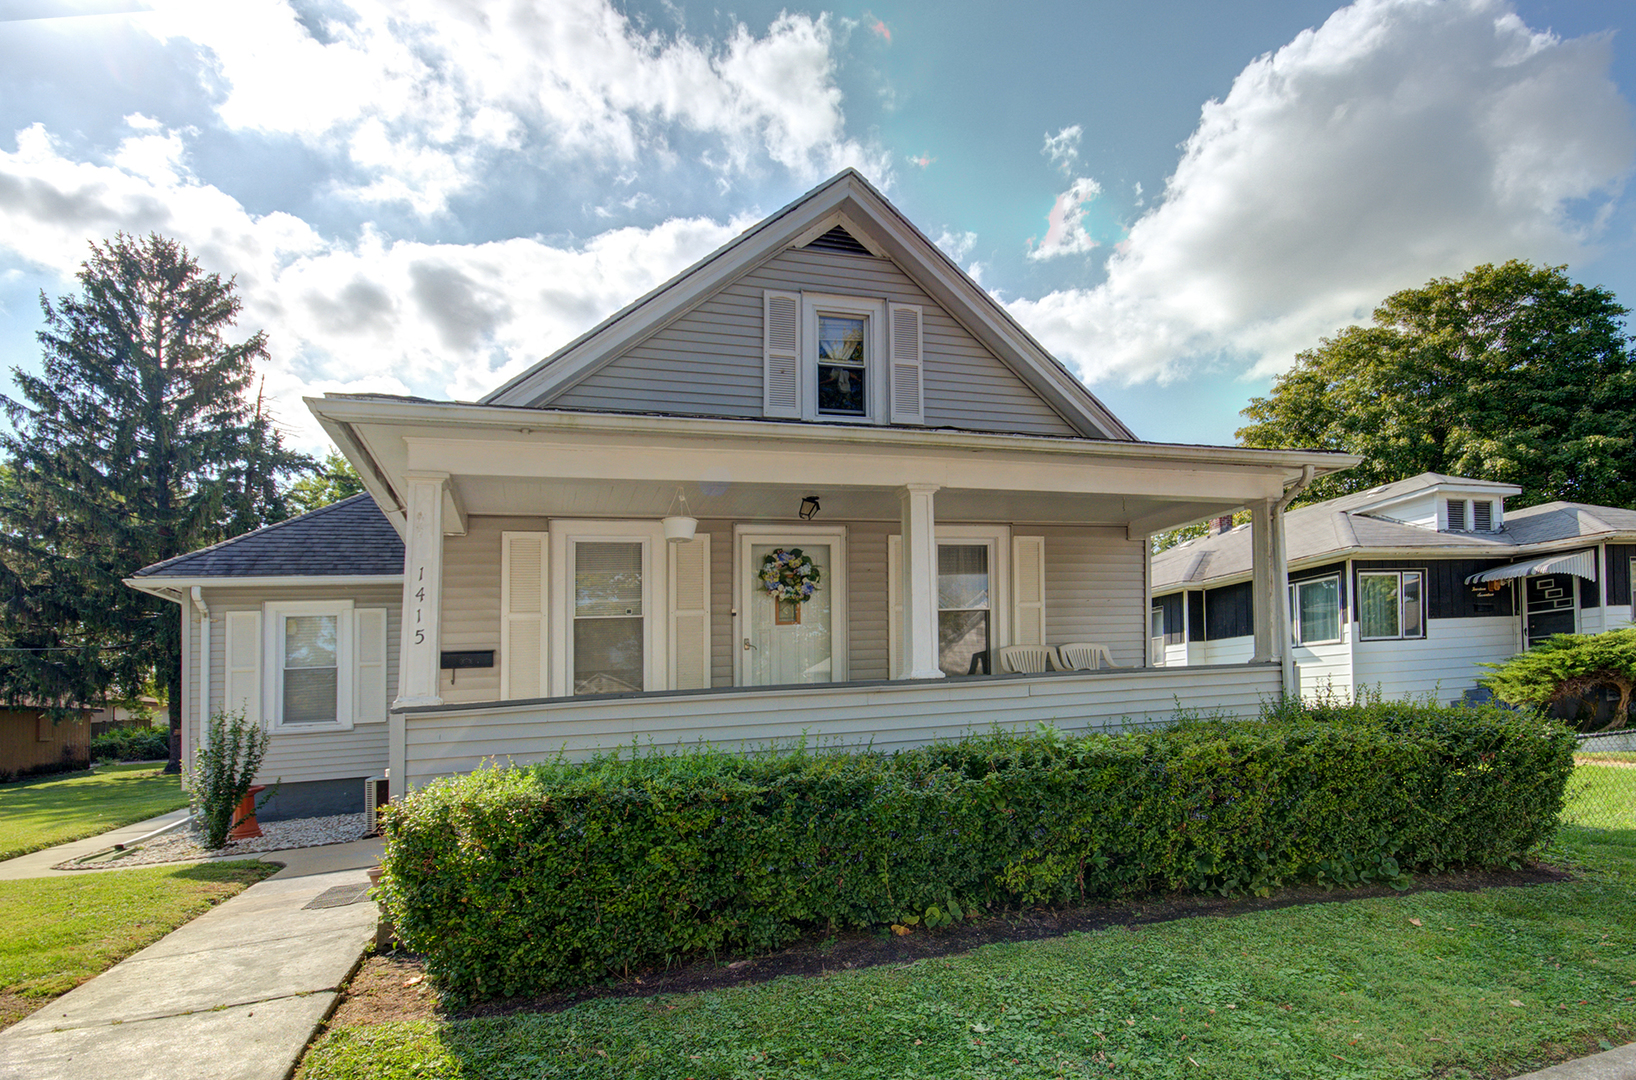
{"type": "Point", "coordinates": [350, 537]}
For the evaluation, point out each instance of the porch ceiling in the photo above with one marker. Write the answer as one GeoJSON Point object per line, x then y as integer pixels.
{"type": "Point", "coordinates": [758, 501]}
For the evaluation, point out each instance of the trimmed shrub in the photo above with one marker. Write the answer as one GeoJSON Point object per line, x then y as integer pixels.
{"type": "Point", "coordinates": [223, 772]}
{"type": "Point", "coordinates": [131, 744]}
{"type": "Point", "coordinates": [517, 880]}
{"type": "Point", "coordinates": [1565, 672]}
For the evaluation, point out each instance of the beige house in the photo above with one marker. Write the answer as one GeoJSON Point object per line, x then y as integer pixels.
{"type": "Point", "coordinates": [584, 552]}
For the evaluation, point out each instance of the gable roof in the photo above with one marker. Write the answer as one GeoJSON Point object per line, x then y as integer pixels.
{"type": "Point", "coordinates": [849, 202]}
{"type": "Point", "coordinates": [350, 538]}
{"type": "Point", "coordinates": [1342, 527]}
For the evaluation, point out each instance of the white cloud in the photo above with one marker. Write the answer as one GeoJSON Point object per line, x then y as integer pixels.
{"type": "Point", "coordinates": [956, 245]}
{"type": "Point", "coordinates": [418, 93]}
{"type": "Point", "coordinates": [1065, 232]}
{"type": "Point", "coordinates": [1401, 140]}
{"type": "Point", "coordinates": [1063, 148]}
{"type": "Point", "coordinates": [442, 320]}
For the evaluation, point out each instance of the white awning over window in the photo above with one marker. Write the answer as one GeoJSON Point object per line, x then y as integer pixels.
{"type": "Point", "coordinates": [1578, 563]}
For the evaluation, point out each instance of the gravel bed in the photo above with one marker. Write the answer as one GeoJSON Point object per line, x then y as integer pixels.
{"type": "Point", "coordinates": [184, 846]}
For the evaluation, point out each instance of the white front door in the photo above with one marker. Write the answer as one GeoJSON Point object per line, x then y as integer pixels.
{"type": "Point", "coordinates": [783, 642]}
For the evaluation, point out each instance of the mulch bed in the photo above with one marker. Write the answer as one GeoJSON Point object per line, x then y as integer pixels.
{"type": "Point", "coordinates": [393, 986]}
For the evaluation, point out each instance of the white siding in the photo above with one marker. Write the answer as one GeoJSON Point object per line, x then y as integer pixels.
{"type": "Point", "coordinates": [710, 360]}
{"type": "Point", "coordinates": [1616, 617]}
{"type": "Point", "coordinates": [867, 644]}
{"type": "Point", "coordinates": [1176, 655]}
{"type": "Point", "coordinates": [1325, 671]}
{"type": "Point", "coordinates": [1233, 650]}
{"type": "Point", "coordinates": [296, 757]}
{"type": "Point", "coordinates": [1094, 590]}
{"type": "Point", "coordinates": [1443, 664]}
{"type": "Point", "coordinates": [886, 715]}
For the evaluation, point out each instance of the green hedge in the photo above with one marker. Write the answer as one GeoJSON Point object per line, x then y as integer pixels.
{"type": "Point", "coordinates": [517, 880]}
{"type": "Point", "coordinates": [131, 744]}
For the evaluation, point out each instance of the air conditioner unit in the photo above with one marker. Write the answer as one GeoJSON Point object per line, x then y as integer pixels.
{"type": "Point", "coordinates": [375, 796]}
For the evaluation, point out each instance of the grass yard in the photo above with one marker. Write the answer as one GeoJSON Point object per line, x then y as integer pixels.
{"type": "Point", "coordinates": [1428, 984]}
{"type": "Point", "coordinates": [1602, 795]}
{"type": "Point", "coordinates": [61, 931]}
{"type": "Point", "coordinates": [36, 814]}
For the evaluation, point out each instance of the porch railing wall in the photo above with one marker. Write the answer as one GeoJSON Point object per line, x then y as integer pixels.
{"type": "Point", "coordinates": [887, 715]}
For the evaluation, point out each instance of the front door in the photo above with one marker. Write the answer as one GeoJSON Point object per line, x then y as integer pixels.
{"type": "Point", "coordinates": [1550, 606]}
{"type": "Point", "coordinates": [785, 641]}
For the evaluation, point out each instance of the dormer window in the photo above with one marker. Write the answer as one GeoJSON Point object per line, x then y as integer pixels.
{"type": "Point", "coordinates": [1457, 515]}
{"type": "Point", "coordinates": [1469, 515]}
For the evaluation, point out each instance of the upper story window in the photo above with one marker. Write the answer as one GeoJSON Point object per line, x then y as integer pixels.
{"type": "Point", "coordinates": [847, 359]}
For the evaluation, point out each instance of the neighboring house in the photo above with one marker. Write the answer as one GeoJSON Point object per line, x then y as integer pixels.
{"type": "Point", "coordinates": [581, 548]}
{"type": "Point", "coordinates": [1406, 588]}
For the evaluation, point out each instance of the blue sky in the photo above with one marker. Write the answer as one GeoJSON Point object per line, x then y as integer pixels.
{"type": "Point", "coordinates": [423, 197]}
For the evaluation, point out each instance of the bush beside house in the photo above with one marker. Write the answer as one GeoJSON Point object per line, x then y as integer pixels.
{"type": "Point", "coordinates": [517, 880]}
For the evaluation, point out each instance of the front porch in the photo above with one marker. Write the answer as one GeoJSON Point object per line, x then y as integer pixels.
{"type": "Point", "coordinates": [433, 741]}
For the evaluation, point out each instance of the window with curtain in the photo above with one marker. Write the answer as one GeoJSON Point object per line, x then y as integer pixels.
{"type": "Point", "coordinates": [311, 675]}
{"type": "Point", "coordinates": [1315, 610]}
{"type": "Point", "coordinates": [963, 605]}
{"type": "Point", "coordinates": [1390, 605]}
{"type": "Point", "coordinates": [609, 632]}
{"type": "Point", "coordinates": [842, 364]}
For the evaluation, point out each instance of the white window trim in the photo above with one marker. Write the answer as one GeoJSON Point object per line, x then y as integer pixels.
{"type": "Point", "coordinates": [655, 593]}
{"type": "Point", "coordinates": [1400, 635]}
{"type": "Point", "coordinates": [272, 683]}
{"type": "Point", "coordinates": [1295, 611]}
{"type": "Point", "coordinates": [876, 365]}
{"type": "Point", "coordinates": [745, 537]}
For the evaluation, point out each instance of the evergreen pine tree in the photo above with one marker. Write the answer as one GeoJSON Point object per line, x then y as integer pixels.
{"type": "Point", "coordinates": [137, 442]}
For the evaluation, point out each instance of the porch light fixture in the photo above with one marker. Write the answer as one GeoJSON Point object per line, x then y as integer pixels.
{"type": "Point", "coordinates": [809, 508]}
{"type": "Point", "coordinates": [679, 528]}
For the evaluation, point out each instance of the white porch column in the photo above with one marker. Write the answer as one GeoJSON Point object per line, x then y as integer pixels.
{"type": "Point", "coordinates": [1269, 604]}
{"type": "Point", "coordinates": [919, 633]}
{"type": "Point", "coordinates": [418, 674]}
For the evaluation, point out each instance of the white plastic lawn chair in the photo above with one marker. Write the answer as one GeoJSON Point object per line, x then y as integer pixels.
{"type": "Point", "coordinates": [1027, 659]}
{"type": "Point", "coordinates": [1084, 656]}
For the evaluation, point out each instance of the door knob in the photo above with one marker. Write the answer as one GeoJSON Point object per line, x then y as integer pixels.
{"type": "Point", "coordinates": [747, 644]}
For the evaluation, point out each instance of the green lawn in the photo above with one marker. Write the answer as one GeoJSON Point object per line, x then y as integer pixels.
{"type": "Point", "coordinates": [1603, 796]}
{"type": "Point", "coordinates": [36, 814]}
{"type": "Point", "coordinates": [61, 931]}
{"type": "Point", "coordinates": [1428, 984]}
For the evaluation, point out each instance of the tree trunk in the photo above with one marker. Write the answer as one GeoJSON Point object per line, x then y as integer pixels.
{"type": "Point", "coordinates": [173, 694]}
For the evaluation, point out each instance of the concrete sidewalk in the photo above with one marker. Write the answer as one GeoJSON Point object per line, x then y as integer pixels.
{"type": "Point", "coordinates": [236, 994]}
{"type": "Point", "coordinates": [39, 863]}
{"type": "Point", "coordinates": [1616, 1064]}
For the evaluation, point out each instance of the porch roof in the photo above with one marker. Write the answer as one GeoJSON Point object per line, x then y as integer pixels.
{"type": "Point", "coordinates": [515, 460]}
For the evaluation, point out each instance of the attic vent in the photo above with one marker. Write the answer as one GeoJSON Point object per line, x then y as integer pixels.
{"type": "Point", "coordinates": [1457, 515]}
{"type": "Point", "coordinates": [1482, 516]}
{"type": "Point", "coordinates": [838, 239]}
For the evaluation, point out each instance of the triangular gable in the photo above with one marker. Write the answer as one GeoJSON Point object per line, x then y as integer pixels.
{"type": "Point", "coordinates": [850, 203]}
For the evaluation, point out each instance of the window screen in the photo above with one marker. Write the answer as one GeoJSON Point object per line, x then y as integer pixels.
{"type": "Point", "coordinates": [311, 677]}
{"type": "Point", "coordinates": [609, 638]}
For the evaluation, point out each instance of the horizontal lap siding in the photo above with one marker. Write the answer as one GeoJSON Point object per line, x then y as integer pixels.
{"type": "Point", "coordinates": [1325, 671]}
{"type": "Point", "coordinates": [887, 717]}
{"type": "Point", "coordinates": [298, 757]}
{"type": "Point", "coordinates": [471, 602]}
{"type": "Point", "coordinates": [1444, 663]}
{"type": "Point", "coordinates": [721, 601]}
{"type": "Point", "coordinates": [709, 361]}
{"type": "Point", "coordinates": [1093, 590]}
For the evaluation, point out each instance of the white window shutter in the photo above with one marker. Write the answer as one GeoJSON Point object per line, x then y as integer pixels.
{"type": "Point", "coordinates": [690, 614]}
{"type": "Point", "coordinates": [522, 616]}
{"type": "Point", "coordinates": [369, 666]}
{"type": "Point", "coordinates": [781, 377]}
{"type": "Point", "coordinates": [908, 404]}
{"type": "Point", "coordinates": [1028, 590]}
{"type": "Point", "coordinates": [894, 606]}
{"type": "Point", "coordinates": [242, 677]}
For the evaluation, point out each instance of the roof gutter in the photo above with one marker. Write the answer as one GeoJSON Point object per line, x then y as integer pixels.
{"type": "Point", "coordinates": [1281, 561]}
{"type": "Point", "coordinates": [204, 659]}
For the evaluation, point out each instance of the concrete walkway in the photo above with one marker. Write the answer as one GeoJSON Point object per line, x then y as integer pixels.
{"type": "Point", "coordinates": [39, 863]}
{"type": "Point", "coordinates": [236, 994]}
{"type": "Point", "coordinates": [1616, 1064]}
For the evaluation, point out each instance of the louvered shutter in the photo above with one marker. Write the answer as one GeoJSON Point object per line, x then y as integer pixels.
{"type": "Point", "coordinates": [1028, 590]}
{"type": "Point", "coordinates": [690, 614]}
{"type": "Point", "coordinates": [894, 607]}
{"type": "Point", "coordinates": [781, 381]}
{"type": "Point", "coordinates": [242, 677]}
{"type": "Point", "coordinates": [369, 666]}
{"type": "Point", "coordinates": [908, 406]}
{"type": "Point", "coordinates": [522, 617]}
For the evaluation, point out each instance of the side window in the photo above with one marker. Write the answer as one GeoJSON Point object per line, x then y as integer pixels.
{"type": "Point", "coordinates": [1315, 611]}
{"type": "Point", "coordinates": [1390, 605]}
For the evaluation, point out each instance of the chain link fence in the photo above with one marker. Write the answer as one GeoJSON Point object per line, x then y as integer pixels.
{"type": "Point", "coordinates": [1602, 793]}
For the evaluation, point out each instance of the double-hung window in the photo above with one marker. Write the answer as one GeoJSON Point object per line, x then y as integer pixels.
{"type": "Point", "coordinates": [609, 636]}
{"type": "Point", "coordinates": [1315, 611]}
{"type": "Point", "coordinates": [309, 664]}
{"type": "Point", "coordinates": [844, 367]}
{"type": "Point", "coordinates": [965, 603]}
{"type": "Point", "coordinates": [1390, 604]}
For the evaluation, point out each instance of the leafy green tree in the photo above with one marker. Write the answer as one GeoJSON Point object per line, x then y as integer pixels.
{"type": "Point", "coordinates": [1510, 373]}
{"type": "Point", "coordinates": [335, 479]}
{"type": "Point", "coordinates": [1566, 670]}
{"type": "Point", "coordinates": [137, 441]}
